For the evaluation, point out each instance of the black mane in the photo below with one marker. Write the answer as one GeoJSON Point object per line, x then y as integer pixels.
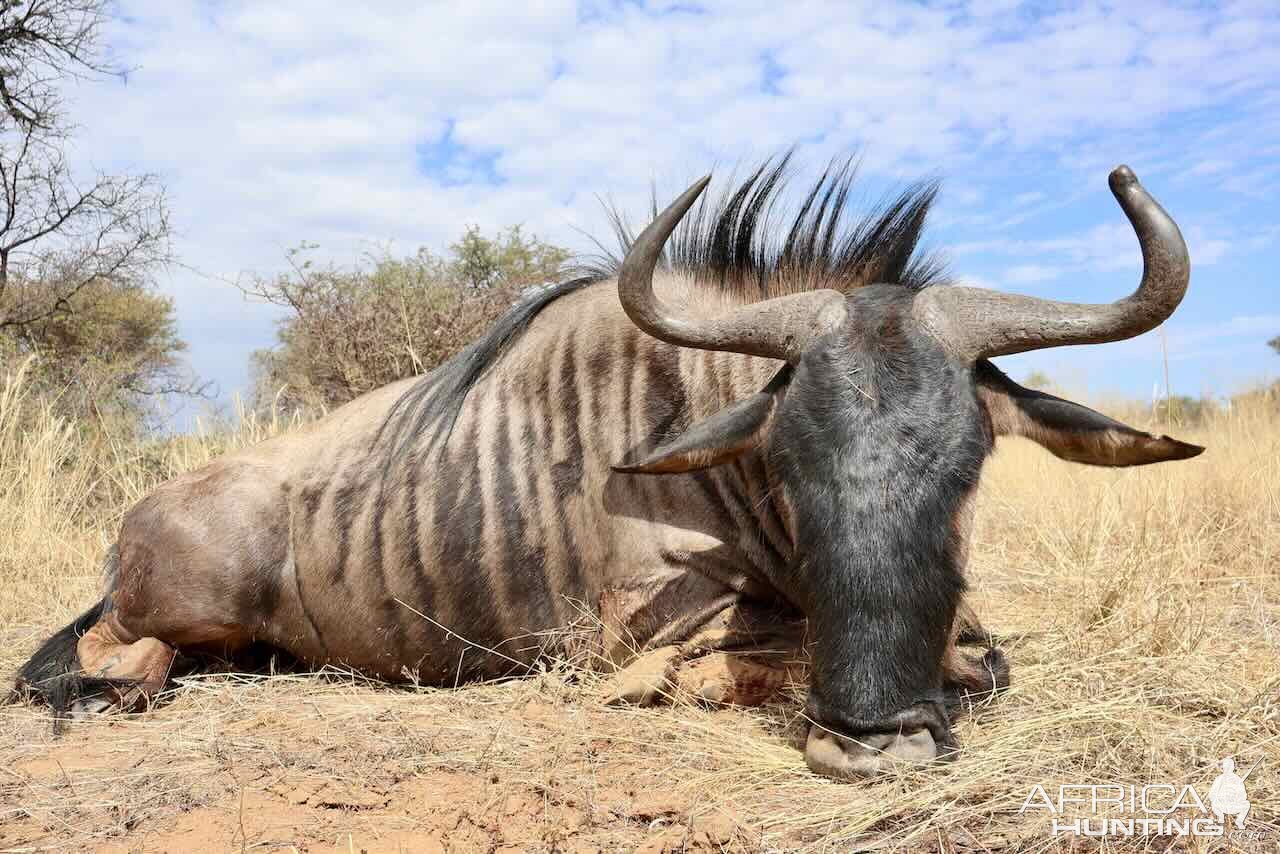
{"type": "Point", "coordinates": [435, 400]}
{"type": "Point", "coordinates": [742, 240]}
{"type": "Point", "coordinates": [732, 241]}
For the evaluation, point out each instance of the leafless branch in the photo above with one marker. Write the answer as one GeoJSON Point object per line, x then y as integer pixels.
{"type": "Point", "coordinates": [43, 42]}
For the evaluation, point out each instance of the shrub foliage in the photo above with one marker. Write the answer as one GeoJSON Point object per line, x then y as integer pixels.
{"type": "Point", "coordinates": [349, 330]}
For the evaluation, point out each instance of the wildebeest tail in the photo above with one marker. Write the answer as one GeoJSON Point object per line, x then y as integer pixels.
{"type": "Point", "coordinates": [52, 675]}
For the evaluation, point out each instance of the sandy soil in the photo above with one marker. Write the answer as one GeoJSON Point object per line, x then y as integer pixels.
{"type": "Point", "coordinates": [273, 766]}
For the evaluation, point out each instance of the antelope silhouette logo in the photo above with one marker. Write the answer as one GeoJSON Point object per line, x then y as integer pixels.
{"type": "Point", "coordinates": [1227, 795]}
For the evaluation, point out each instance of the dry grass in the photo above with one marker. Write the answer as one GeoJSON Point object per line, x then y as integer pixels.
{"type": "Point", "coordinates": [1143, 608]}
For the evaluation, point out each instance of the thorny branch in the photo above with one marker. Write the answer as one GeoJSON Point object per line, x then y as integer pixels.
{"type": "Point", "coordinates": [41, 43]}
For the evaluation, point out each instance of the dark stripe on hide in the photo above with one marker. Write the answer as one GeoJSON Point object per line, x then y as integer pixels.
{"type": "Point", "coordinates": [375, 537]}
{"type": "Point", "coordinates": [599, 361]}
{"type": "Point", "coordinates": [666, 398]}
{"type": "Point", "coordinates": [343, 522]}
{"type": "Point", "coordinates": [389, 613]}
{"type": "Point", "coordinates": [729, 489]}
{"type": "Point", "coordinates": [643, 488]}
{"type": "Point", "coordinates": [566, 472]}
{"type": "Point", "coordinates": [508, 565]}
{"type": "Point", "coordinates": [667, 401]}
{"type": "Point", "coordinates": [538, 445]}
{"type": "Point", "coordinates": [629, 368]}
{"type": "Point", "coordinates": [447, 576]}
{"type": "Point", "coordinates": [421, 582]}
{"type": "Point", "coordinates": [490, 410]}
{"type": "Point", "coordinates": [532, 567]}
{"type": "Point", "coordinates": [311, 497]}
{"type": "Point", "coordinates": [462, 552]}
{"type": "Point", "coordinates": [705, 483]}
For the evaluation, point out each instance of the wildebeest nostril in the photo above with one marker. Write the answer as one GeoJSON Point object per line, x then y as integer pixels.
{"type": "Point", "coordinates": [848, 758]}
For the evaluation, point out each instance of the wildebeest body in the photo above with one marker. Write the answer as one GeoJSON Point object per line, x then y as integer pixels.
{"type": "Point", "coordinates": [496, 537]}
{"type": "Point", "coordinates": [771, 449]}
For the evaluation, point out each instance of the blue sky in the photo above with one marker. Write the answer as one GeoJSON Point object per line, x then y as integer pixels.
{"type": "Point", "coordinates": [398, 124]}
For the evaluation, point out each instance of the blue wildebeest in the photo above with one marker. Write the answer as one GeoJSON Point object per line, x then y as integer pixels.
{"type": "Point", "coordinates": [745, 451]}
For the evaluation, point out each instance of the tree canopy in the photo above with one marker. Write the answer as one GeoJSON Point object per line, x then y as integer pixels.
{"type": "Point", "coordinates": [79, 251]}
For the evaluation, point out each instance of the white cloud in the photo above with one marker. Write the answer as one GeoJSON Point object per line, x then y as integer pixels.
{"type": "Point", "coordinates": [1102, 249]}
{"type": "Point", "coordinates": [1210, 167]}
{"type": "Point", "coordinates": [1027, 274]}
{"type": "Point", "coordinates": [1248, 328]}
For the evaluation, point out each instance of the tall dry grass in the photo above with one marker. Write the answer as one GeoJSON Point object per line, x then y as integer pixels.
{"type": "Point", "coordinates": [1142, 608]}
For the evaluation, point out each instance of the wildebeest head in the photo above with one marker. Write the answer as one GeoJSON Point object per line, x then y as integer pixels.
{"type": "Point", "coordinates": [875, 429]}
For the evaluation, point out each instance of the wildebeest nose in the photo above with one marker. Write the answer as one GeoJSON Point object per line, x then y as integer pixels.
{"type": "Point", "coordinates": [844, 758]}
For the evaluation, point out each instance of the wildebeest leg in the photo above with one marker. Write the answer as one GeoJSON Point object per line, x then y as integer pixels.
{"type": "Point", "coordinates": [972, 676]}
{"type": "Point", "coordinates": [131, 669]}
{"type": "Point", "coordinates": [196, 569]}
{"type": "Point", "coordinates": [969, 629]}
{"type": "Point", "coordinates": [754, 675]}
{"type": "Point", "coordinates": [738, 677]}
{"type": "Point", "coordinates": [643, 629]}
{"type": "Point", "coordinates": [749, 653]}
{"type": "Point", "coordinates": [643, 682]}
{"type": "Point", "coordinates": [966, 676]}
{"type": "Point", "coordinates": [743, 656]}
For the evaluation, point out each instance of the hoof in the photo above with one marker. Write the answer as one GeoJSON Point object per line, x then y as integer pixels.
{"type": "Point", "coordinates": [87, 708]}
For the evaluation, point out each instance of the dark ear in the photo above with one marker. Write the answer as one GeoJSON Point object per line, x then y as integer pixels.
{"type": "Point", "coordinates": [1069, 430]}
{"type": "Point", "coordinates": [724, 436]}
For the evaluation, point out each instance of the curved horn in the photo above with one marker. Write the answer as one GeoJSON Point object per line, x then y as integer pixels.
{"type": "Point", "coordinates": [778, 328]}
{"type": "Point", "coordinates": [978, 323]}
